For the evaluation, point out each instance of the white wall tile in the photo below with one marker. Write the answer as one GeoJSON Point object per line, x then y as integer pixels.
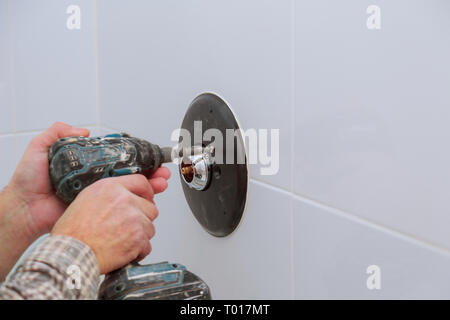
{"type": "Point", "coordinates": [54, 67]}
{"type": "Point", "coordinates": [332, 253]}
{"type": "Point", "coordinates": [251, 263]}
{"type": "Point", "coordinates": [6, 105]}
{"type": "Point", "coordinates": [94, 131]}
{"type": "Point", "coordinates": [104, 131]}
{"type": "Point", "coordinates": [372, 110]}
{"type": "Point", "coordinates": [155, 57]}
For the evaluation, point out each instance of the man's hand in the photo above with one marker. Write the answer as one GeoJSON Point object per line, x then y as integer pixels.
{"type": "Point", "coordinates": [28, 205]}
{"type": "Point", "coordinates": [114, 218]}
{"type": "Point", "coordinates": [30, 183]}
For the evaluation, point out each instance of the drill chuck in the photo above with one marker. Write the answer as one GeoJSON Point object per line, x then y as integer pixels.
{"type": "Point", "coordinates": [166, 154]}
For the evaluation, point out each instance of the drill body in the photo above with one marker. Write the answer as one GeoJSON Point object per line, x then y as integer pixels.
{"type": "Point", "coordinates": [77, 162]}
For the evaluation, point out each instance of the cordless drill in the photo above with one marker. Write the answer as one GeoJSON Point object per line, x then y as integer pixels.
{"type": "Point", "coordinates": [77, 162]}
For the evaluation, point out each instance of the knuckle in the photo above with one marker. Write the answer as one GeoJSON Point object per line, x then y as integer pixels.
{"type": "Point", "coordinates": [152, 211]}
{"type": "Point", "coordinates": [155, 212]}
{"type": "Point", "coordinates": [135, 221]}
{"type": "Point", "coordinates": [136, 251]}
{"type": "Point", "coordinates": [141, 237]}
{"type": "Point", "coordinates": [145, 246]}
{"type": "Point", "coordinates": [143, 181]}
{"type": "Point", "coordinates": [98, 184]}
{"type": "Point", "coordinates": [137, 238]}
{"type": "Point", "coordinates": [149, 248]}
{"type": "Point", "coordinates": [104, 185]}
{"type": "Point", "coordinates": [130, 225]}
{"type": "Point", "coordinates": [140, 179]}
{"type": "Point", "coordinates": [145, 239]}
{"type": "Point", "coordinates": [35, 140]}
{"type": "Point", "coordinates": [152, 230]}
{"type": "Point", "coordinates": [123, 197]}
{"type": "Point", "coordinates": [148, 209]}
{"type": "Point", "coordinates": [59, 124]}
{"type": "Point", "coordinates": [103, 182]}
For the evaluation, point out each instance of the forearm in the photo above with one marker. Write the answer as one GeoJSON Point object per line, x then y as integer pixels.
{"type": "Point", "coordinates": [15, 233]}
{"type": "Point", "coordinates": [59, 267]}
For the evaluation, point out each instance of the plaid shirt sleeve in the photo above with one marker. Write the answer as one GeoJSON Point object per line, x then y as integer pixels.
{"type": "Point", "coordinates": [60, 267]}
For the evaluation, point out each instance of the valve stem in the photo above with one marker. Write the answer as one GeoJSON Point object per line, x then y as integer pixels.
{"type": "Point", "coordinates": [187, 170]}
{"type": "Point", "coordinates": [188, 173]}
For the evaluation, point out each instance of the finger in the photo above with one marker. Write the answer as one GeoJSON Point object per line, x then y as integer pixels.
{"type": "Point", "coordinates": [149, 229]}
{"type": "Point", "coordinates": [145, 251]}
{"type": "Point", "coordinates": [162, 172]}
{"type": "Point", "coordinates": [158, 184]}
{"type": "Point", "coordinates": [137, 184]}
{"type": "Point", "coordinates": [56, 131]}
{"type": "Point", "coordinates": [148, 208]}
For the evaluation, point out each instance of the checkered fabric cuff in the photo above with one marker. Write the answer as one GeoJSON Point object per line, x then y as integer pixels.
{"type": "Point", "coordinates": [60, 267]}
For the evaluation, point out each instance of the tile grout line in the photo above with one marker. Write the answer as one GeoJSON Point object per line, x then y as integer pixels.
{"type": "Point", "coordinates": [11, 66]}
{"type": "Point", "coordinates": [97, 84]}
{"type": "Point", "coordinates": [110, 128]}
{"type": "Point", "coordinates": [12, 91]}
{"type": "Point", "coordinates": [360, 220]}
{"type": "Point", "coordinates": [36, 131]}
{"type": "Point", "coordinates": [292, 132]}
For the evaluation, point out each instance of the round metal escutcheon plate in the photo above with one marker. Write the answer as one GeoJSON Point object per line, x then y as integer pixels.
{"type": "Point", "coordinates": [219, 207]}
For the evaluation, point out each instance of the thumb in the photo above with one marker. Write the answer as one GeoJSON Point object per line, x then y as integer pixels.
{"type": "Point", "coordinates": [58, 130]}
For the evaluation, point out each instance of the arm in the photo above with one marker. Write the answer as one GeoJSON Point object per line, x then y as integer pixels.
{"type": "Point", "coordinates": [14, 236]}
{"type": "Point", "coordinates": [108, 225]}
{"type": "Point", "coordinates": [28, 206]}
{"type": "Point", "coordinates": [113, 217]}
{"type": "Point", "coordinates": [60, 267]}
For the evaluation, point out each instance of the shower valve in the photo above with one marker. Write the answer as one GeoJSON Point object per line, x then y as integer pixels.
{"type": "Point", "coordinates": [196, 169]}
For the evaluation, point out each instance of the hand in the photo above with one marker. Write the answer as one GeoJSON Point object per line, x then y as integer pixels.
{"type": "Point", "coordinates": [30, 183]}
{"type": "Point", "coordinates": [28, 205]}
{"type": "Point", "coordinates": [114, 218]}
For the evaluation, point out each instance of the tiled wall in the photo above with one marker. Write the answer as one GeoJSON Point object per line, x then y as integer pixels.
{"type": "Point", "coordinates": [362, 115]}
{"type": "Point", "coordinates": [47, 73]}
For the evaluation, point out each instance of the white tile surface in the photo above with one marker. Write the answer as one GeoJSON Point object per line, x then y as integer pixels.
{"type": "Point", "coordinates": [371, 126]}
{"type": "Point", "coordinates": [155, 57]}
{"type": "Point", "coordinates": [252, 263]}
{"type": "Point", "coordinates": [6, 106]}
{"type": "Point", "coordinates": [104, 131]}
{"type": "Point", "coordinates": [54, 68]}
{"type": "Point", "coordinates": [332, 253]}
{"type": "Point", "coordinates": [372, 110]}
